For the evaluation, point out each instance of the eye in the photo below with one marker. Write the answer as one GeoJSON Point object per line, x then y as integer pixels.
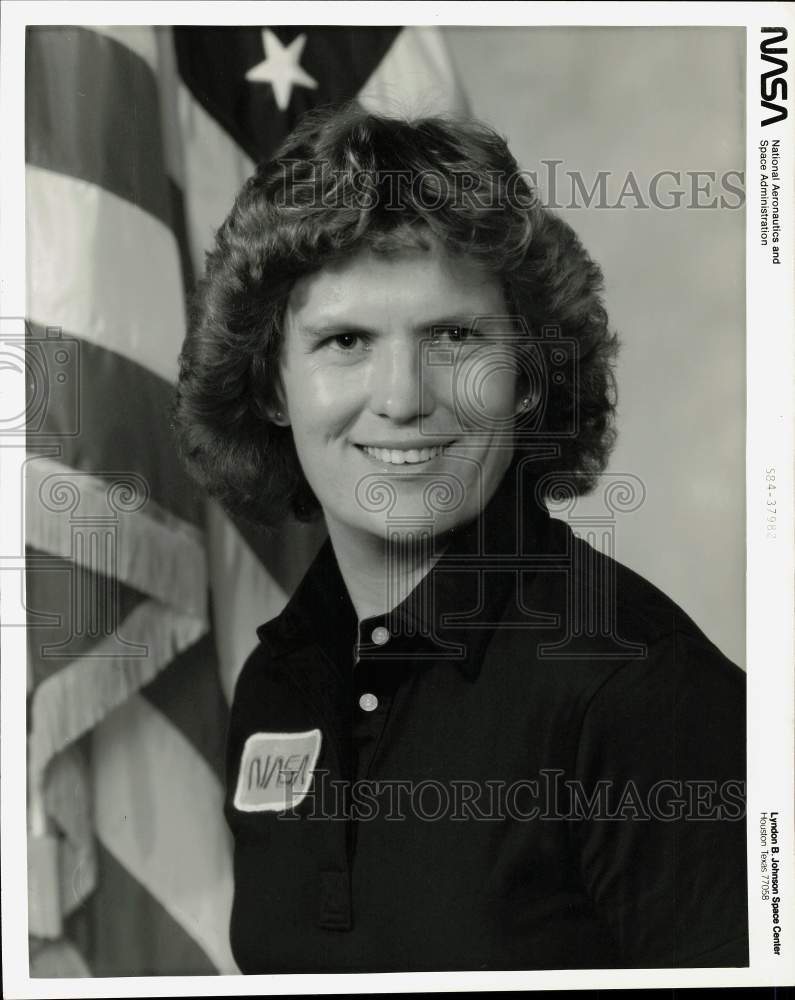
{"type": "Point", "coordinates": [456, 333]}
{"type": "Point", "coordinates": [345, 342]}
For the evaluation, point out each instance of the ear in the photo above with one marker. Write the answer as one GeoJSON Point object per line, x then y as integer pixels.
{"type": "Point", "coordinates": [277, 411]}
{"type": "Point", "coordinates": [278, 417]}
{"type": "Point", "coordinates": [527, 396]}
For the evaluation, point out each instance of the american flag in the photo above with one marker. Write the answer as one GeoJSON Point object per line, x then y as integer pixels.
{"type": "Point", "coordinates": [142, 597]}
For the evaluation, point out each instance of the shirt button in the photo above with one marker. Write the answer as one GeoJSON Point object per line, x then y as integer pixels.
{"type": "Point", "coordinates": [380, 635]}
{"type": "Point", "coordinates": [368, 703]}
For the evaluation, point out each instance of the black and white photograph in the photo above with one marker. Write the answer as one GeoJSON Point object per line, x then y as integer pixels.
{"type": "Point", "coordinates": [397, 485]}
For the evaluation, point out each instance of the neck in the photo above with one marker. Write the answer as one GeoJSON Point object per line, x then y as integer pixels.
{"type": "Point", "coordinates": [379, 574]}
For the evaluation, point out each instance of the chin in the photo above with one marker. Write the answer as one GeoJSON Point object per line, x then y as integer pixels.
{"type": "Point", "coordinates": [410, 528]}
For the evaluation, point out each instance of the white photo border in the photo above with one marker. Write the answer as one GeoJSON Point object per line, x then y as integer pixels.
{"type": "Point", "coordinates": [770, 319]}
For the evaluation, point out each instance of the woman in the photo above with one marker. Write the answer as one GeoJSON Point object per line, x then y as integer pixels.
{"type": "Point", "coordinates": [470, 740]}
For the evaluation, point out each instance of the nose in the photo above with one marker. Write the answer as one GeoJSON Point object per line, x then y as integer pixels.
{"type": "Point", "coordinates": [398, 390]}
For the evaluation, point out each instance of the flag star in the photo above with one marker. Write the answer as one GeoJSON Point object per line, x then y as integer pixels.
{"type": "Point", "coordinates": [281, 68]}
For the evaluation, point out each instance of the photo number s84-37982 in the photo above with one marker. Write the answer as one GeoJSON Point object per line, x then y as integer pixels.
{"type": "Point", "coordinates": [770, 511]}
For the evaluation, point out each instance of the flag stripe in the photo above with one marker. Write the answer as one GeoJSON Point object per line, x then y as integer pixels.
{"type": "Point", "coordinates": [49, 583]}
{"type": "Point", "coordinates": [214, 171]}
{"type": "Point", "coordinates": [168, 834]}
{"type": "Point", "coordinates": [115, 279]}
{"type": "Point", "coordinates": [141, 39]}
{"type": "Point", "coordinates": [189, 695]}
{"type": "Point", "coordinates": [246, 593]}
{"type": "Point", "coordinates": [179, 224]}
{"type": "Point", "coordinates": [107, 528]}
{"type": "Point", "coordinates": [172, 148]}
{"type": "Point", "coordinates": [79, 89]}
{"type": "Point", "coordinates": [69, 703]}
{"type": "Point", "coordinates": [126, 932]}
{"type": "Point", "coordinates": [57, 960]}
{"type": "Point", "coordinates": [108, 388]}
{"type": "Point", "coordinates": [68, 802]}
{"type": "Point", "coordinates": [287, 561]}
{"type": "Point", "coordinates": [253, 575]}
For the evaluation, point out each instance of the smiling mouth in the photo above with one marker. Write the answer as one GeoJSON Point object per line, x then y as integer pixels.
{"type": "Point", "coordinates": [404, 456]}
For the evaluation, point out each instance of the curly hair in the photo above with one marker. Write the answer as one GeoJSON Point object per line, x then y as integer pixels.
{"type": "Point", "coordinates": [346, 180]}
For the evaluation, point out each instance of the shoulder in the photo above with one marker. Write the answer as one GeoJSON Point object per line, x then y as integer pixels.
{"type": "Point", "coordinates": [605, 641]}
{"type": "Point", "coordinates": [629, 601]}
{"type": "Point", "coordinates": [669, 693]}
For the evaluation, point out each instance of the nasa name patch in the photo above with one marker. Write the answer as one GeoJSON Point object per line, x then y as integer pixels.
{"type": "Point", "coordinates": [276, 770]}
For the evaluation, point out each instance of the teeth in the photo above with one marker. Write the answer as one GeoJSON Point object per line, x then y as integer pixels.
{"type": "Point", "coordinates": [411, 456]}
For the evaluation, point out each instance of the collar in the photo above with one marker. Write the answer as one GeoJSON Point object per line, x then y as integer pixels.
{"type": "Point", "coordinates": [451, 613]}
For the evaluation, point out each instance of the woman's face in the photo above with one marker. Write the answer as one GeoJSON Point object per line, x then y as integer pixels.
{"type": "Point", "coordinates": [402, 417]}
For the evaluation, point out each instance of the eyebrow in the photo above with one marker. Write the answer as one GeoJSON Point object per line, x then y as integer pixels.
{"type": "Point", "coordinates": [337, 327]}
{"type": "Point", "coordinates": [314, 331]}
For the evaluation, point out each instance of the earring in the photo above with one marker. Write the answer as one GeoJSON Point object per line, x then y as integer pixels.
{"type": "Point", "coordinates": [524, 403]}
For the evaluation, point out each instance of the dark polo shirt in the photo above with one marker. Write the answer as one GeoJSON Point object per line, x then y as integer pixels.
{"type": "Point", "coordinates": [536, 761]}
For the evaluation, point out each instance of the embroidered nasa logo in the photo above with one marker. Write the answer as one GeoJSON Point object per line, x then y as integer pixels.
{"type": "Point", "coordinates": [276, 770]}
